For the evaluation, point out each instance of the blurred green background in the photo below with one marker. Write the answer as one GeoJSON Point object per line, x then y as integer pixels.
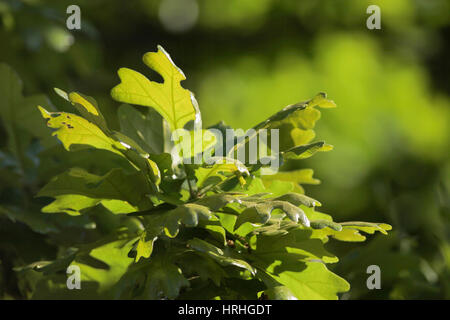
{"type": "Point", "coordinates": [247, 59]}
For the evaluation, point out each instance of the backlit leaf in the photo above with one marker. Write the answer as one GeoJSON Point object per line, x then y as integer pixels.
{"type": "Point", "coordinates": [76, 132]}
{"type": "Point", "coordinates": [175, 104]}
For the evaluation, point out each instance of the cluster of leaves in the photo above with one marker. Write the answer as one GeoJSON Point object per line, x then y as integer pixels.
{"type": "Point", "coordinates": [151, 226]}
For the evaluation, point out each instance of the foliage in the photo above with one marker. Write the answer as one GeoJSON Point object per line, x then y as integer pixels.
{"type": "Point", "coordinates": [152, 226]}
{"type": "Point", "coordinates": [245, 59]}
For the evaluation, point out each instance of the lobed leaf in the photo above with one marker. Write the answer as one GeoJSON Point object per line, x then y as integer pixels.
{"type": "Point", "coordinates": [76, 132]}
{"type": "Point", "coordinates": [261, 213]}
{"type": "Point", "coordinates": [174, 103]}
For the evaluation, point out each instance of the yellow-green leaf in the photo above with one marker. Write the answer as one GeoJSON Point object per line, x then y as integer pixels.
{"type": "Point", "coordinates": [144, 247]}
{"type": "Point", "coordinates": [76, 132]}
{"type": "Point", "coordinates": [176, 104]}
{"type": "Point", "coordinates": [306, 151]}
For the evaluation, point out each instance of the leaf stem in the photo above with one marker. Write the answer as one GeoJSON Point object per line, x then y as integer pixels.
{"type": "Point", "coordinates": [192, 193]}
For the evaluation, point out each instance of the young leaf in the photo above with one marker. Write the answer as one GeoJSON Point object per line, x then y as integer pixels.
{"type": "Point", "coordinates": [295, 122]}
{"type": "Point", "coordinates": [214, 175]}
{"type": "Point", "coordinates": [76, 132]}
{"type": "Point", "coordinates": [306, 151]}
{"type": "Point", "coordinates": [301, 176]}
{"type": "Point", "coordinates": [189, 214]}
{"type": "Point", "coordinates": [217, 201]}
{"type": "Point", "coordinates": [349, 231]}
{"type": "Point", "coordinates": [261, 213]}
{"type": "Point", "coordinates": [174, 103]}
{"type": "Point", "coordinates": [320, 224]}
{"type": "Point", "coordinates": [70, 204]}
{"type": "Point", "coordinates": [297, 199]}
{"type": "Point", "coordinates": [89, 109]}
{"type": "Point", "coordinates": [367, 227]}
{"type": "Point", "coordinates": [144, 247]}
{"type": "Point", "coordinates": [320, 100]}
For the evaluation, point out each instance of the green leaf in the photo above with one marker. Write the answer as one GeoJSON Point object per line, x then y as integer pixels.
{"type": "Point", "coordinates": [367, 227]}
{"type": "Point", "coordinates": [274, 229]}
{"type": "Point", "coordinates": [261, 213]}
{"type": "Point", "coordinates": [114, 255]}
{"type": "Point", "coordinates": [298, 199]}
{"type": "Point", "coordinates": [306, 151]}
{"type": "Point", "coordinates": [192, 144]}
{"type": "Point", "coordinates": [280, 293]}
{"type": "Point", "coordinates": [215, 174]}
{"type": "Point", "coordinates": [291, 260]}
{"type": "Point", "coordinates": [218, 255]}
{"type": "Point", "coordinates": [205, 267]}
{"type": "Point", "coordinates": [49, 267]}
{"type": "Point", "coordinates": [350, 231]}
{"type": "Point", "coordinates": [301, 176]}
{"type": "Point", "coordinates": [164, 280]}
{"type": "Point", "coordinates": [313, 214]}
{"type": "Point", "coordinates": [297, 115]}
{"type": "Point", "coordinates": [174, 103]}
{"type": "Point", "coordinates": [71, 204]}
{"type": "Point", "coordinates": [295, 122]}
{"type": "Point", "coordinates": [188, 214]}
{"type": "Point", "coordinates": [215, 229]}
{"type": "Point", "coordinates": [114, 185]}
{"type": "Point", "coordinates": [89, 109]}
{"type": "Point", "coordinates": [217, 201]}
{"type": "Point", "coordinates": [320, 224]}
{"type": "Point", "coordinates": [298, 244]}
{"type": "Point", "coordinates": [144, 247]}
{"type": "Point", "coordinates": [76, 132]}
{"type": "Point", "coordinates": [100, 269]}
{"type": "Point", "coordinates": [301, 115]}
{"type": "Point", "coordinates": [118, 206]}
{"type": "Point", "coordinates": [312, 281]}
{"type": "Point", "coordinates": [320, 100]}
{"type": "Point", "coordinates": [276, 188]}
{"type": "Point", "coordinates": [146, 129]}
